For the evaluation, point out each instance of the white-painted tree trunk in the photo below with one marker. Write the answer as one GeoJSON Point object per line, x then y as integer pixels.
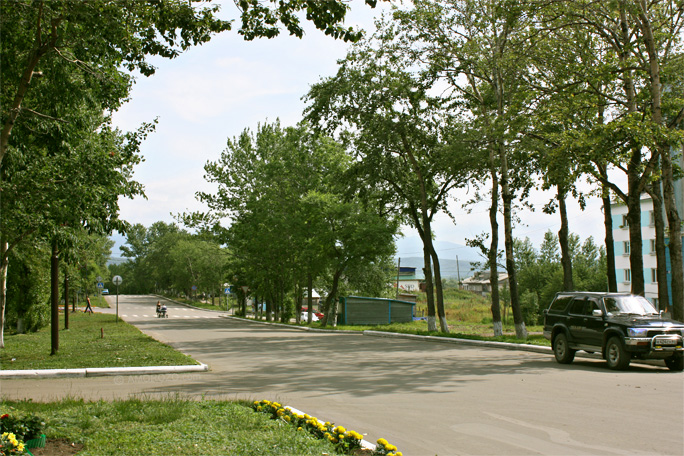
{"type": "Point", "coordinates": [520, 330]}
{"type": "Point", "coordinates": [498, 328]}
{"type": "Point", "coordinates": [444, 326]}
{"type": "Point", "coordinates": [432, 323]}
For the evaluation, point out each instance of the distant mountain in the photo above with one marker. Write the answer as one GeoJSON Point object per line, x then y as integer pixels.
{"type": "Point", "coordinates": [116, 260]}
{"type": "Point", "coordinates": [412, 246]}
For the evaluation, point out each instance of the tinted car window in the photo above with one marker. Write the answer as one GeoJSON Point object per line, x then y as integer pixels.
{"type": "Point", "coordinates": [560, 303]}
{"type": "Point", "coordinates": [592, 305]}
{"type": "Point", "coordinates": [577, 307]}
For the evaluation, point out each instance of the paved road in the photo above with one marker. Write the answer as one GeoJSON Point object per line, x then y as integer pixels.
{"type": "Point", "coordinates": [427, 398]}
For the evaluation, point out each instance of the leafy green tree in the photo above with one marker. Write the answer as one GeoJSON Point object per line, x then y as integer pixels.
{"type": "Point", "coordinates": [408, 151]}
{"type": "Point", "coordinates": [481, 50]}
{"type": "Point", "coordinates": [284, 191]}
{"type": "Point", "coordinates": [624, 61]}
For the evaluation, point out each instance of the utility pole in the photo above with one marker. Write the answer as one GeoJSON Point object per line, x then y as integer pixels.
{"type": "Point", "coordinates": [398, 271]}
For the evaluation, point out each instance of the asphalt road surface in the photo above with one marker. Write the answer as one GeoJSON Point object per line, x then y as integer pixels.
{"type": "Point", "coordinates": [427, 398]}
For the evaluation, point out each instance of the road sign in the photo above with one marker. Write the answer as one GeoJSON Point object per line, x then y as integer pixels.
{"type": "Point", "coordinates": [98, 278]}
{"type": "Point", "coordinates": [226, 291]}
{"type": "Point", "coordinates": [116, 280]}
{"type": "Point", "coordinates": [194, 288]}
{"type": "Point", "coordinates": [100, 285]}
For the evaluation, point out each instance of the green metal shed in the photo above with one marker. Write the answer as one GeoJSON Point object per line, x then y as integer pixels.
{"type": "Point", "coordinates": [356, 310]}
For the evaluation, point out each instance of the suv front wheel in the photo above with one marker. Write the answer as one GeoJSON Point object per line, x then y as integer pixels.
{"type": "Point", "coordinates": [675, 363]}
{"type": "Point", "coordinates": [616, 356]}
{"type": "Point", "coordinates": [563, 353]}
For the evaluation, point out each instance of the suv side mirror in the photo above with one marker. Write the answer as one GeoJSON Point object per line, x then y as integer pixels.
{"type": "Point", "coordinates": [597, 313]}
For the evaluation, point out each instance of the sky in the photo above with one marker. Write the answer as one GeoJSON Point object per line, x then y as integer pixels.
{"type": "Point", "coordinates": [215, 91]}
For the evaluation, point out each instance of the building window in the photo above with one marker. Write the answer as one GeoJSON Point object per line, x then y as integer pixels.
{"type": "Point", "coordinates": [628, 275]}
{"type": "Point", "coordinates": [654, 275]}
{"type": "Point", "coordinates": [624, 222]}
{"type": "Point", "coordinates": [651, 218]}
{"type": "Point", "coordinates": [625, 246]}
{"type": "Point", "coordinates": [653, 246]}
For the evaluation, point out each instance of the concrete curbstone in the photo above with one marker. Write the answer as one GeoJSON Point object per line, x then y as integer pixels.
{"type": "Point", "coordinates": [99, 371]}
{"type": "Point", "coordinates": [453, 340]}
{"type": "Point", "coordinates": [42, 373]}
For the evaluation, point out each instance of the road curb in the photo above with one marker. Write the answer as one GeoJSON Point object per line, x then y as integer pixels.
{"type": "Point", "coordinates": [100, 371]}
{"type": "Point", "coordinates": [454, 340]}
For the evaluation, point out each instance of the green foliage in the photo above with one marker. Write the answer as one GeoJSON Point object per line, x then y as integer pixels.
{"type": "Point", "coordinates": [285, 190]}
{"type": "Point", "coordinates": [24, 427]}
{"type": "Point", "coordinates": [171, 427]}
{"type": "Point", "coordinates": [28, 290]}
{"type": "Point", "coordinates": [540, 274]}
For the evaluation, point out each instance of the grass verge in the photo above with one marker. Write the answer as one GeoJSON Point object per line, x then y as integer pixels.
{"type": "Point", "coordinates": [169, 427]}
{"type": "Point", "coordinates": [82, 346]}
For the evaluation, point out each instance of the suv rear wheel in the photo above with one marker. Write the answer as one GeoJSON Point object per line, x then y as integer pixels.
{"type": "Point", "coordinates": [616, 355]}
{"type": "Point", "coordinates": [563, 353]}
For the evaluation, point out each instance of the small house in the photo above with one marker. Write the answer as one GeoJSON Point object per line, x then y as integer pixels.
{"type": "Point", "coordinates": [356, 310]}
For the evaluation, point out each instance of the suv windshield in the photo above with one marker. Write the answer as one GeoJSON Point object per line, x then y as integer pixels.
{"type": "Point", "coordinates": [634, 305]}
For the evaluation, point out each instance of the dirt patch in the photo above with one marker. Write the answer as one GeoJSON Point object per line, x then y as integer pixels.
{"type": "Point", "coordinates": [57, 447]}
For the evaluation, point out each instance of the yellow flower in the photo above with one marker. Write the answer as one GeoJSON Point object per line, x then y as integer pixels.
{"type": "Point", "coordinates": [299, 428]}
{"type": "Point", "coordinates": [20, 447]}
{"type": "Point", "coordinates": [399, 453]}
{"type": "Point", "coordinates": [390, 447]}
{"type": "Point", "coordinates": [287, 418]}
{"type": "Point", "coordinates": [382, 442]}
{"type": "Point", "coordinates": [340, 430]}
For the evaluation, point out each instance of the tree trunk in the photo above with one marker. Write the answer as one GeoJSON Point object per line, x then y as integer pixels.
{"type": "Point", "coordinates": [636, 259]}
{"type": "Point", "coordinates": [329, 316]}
{"type": "Point", "coordinates": [660, 247]}
{"type": "Point", "coordinates": [66, 299]}
{"type": "Point", "coordinates": [4, 263]}
{"type": "Point", "coordinates": [493, 251]}
{"type": "Point", "coordinates": [429, 289]}
{"type": "Point", "coordinates": [563, 234]}
{"type": "Point", "coordinates": [444, 326]}
{"type": "Point", "coordinates": [609, 241]}
{"type": "Point", "coordinates": [507, 197]}
{"type": "Point", "coordinates": [673, 217]}
{"type": "Point", "coordinates": [54, 299]}
{"type": "Point", "coordinates": [309, 297]}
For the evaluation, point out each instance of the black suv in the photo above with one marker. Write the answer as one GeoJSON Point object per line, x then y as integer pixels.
{"type": "Point", "coordinates": [621, 326]}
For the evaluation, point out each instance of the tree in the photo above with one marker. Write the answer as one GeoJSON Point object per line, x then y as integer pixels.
{"type": "Point", "coordinates": [285, 193]}
{"type": "Point", "coordinates": [407, 149]}
{"type": "Point", "coordinates": [480, 49]}
{"type": "Point", "coordinates": [621, 53]}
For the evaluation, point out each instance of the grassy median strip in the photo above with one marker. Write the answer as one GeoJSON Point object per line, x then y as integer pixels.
{"type": "Point", "coordinates": [172, 426]}
{"type": "Point", "coordinates": [92, 340]}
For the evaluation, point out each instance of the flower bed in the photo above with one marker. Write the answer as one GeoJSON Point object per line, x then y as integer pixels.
{"type": "Point", "coordinates": [345, 442]}
{"type": "Point", "coordinates": [18, 434]}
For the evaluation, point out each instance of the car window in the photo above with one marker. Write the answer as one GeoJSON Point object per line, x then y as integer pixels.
{"type": "Point", "coordinates": [560, 303]}
{"type": "Point", "coordinates": [592, 305]}
{"type": "Point", "coordinates": [577, 307]}
{"type": "Point", "coordinates": [632, 305]}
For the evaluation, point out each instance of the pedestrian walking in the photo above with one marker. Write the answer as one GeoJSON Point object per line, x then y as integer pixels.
{"type": "Point", "coordinates": [88, 306]}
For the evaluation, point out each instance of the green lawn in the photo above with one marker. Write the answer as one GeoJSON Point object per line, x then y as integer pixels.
{"type": "Point", "coordinates": [169, 427]}
{"type": "Point", "coordinates": [82, 346]}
